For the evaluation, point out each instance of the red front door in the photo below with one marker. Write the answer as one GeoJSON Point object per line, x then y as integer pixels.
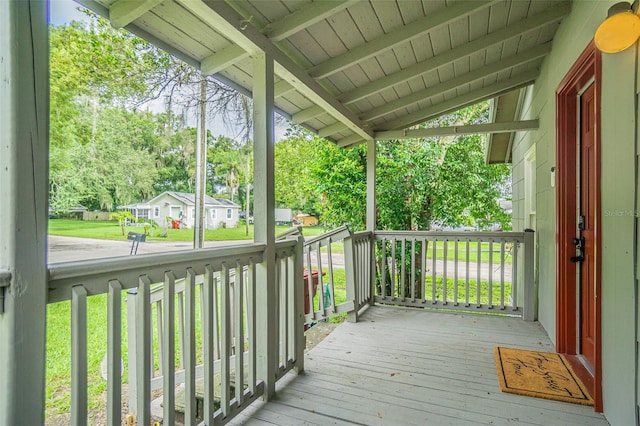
{"type": "Point", "coordinates": [586, 225]}
{"type": "Point", "coordinates": [578, 209]}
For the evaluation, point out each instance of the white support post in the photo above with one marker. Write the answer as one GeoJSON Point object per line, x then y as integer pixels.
{"type": "Point", "coordinates": [530, 293]}
{"type": "Point", "coordinates": [298, 294]}
{"type": "Point", "coordinates": [350, 272]}
{"type": "Point", "coordinates": [264, 220]}
{"type": "Point", "coordinates": [24, 146]}
{"type": "Point", "coordinates": [371, 213]}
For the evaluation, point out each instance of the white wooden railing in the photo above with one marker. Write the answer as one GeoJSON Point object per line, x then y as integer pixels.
{"type": "Point", "coordinates": [488, 272]}
{"type": "Point", "coordinates": [219, 283]}
{"type": "Point", "coordinates": [476, 271]}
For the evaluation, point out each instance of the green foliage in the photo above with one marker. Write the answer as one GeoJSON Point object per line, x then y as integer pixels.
{"type": "Point", "coordinates": [418, 181]}
{"type": "Point", "coordinates": [122, 217]}
{"type": "Point", "coordinates": [296, 185]}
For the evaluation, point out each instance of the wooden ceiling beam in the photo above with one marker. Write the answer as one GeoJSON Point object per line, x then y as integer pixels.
{"type": "Point", "coordinates": [350, 141]}
{"type": "Point", "coordinates": [124, 12]}
{"type": "Point", "coordinates": [225, 58]}
{"type": "Point", "coordinates": [462, 101]}
{"type": "Point", "coordinates": [331, 130]}
{"type": "Point", "coordinates": [222, 17]}
{"type": "Point", "coordinates": [398, 36]}
{"type": "Point", "coordinates": [305, 17]}
{"type": "Point", "coordinates": [514, 30]}
{"type": "Point", "coordinates": [473, 129]}
{"type": "Point", "coordinates": [475, 75]}
{"type": "Point", "coordinates": [277, 31]}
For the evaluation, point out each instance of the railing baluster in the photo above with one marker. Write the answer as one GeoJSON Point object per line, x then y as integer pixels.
{"type": "Point", "coordinates": [181, 327]}
{"type": "Point", "coordinates": [292, 301]}
{"type": "Point", "coordinates": [78, 355]}
{"type": "Point", "coordinates": [444, 271]}
{"type": "Point", "coordinates": [320, 291]}
{"type": "Point", "coordinates": [383, 279]}
{"type": "Point", "coordinates": [466, 288]}
{"type": "Point", "coordinates": [455, 274]}
{"type": "Point", "coordinates": [479, 273]}
{"type": "Point", "coordinates": [514, 275]}
{"type": "Point", "coordinates": [282, 309]}
{"type": "Point", "coordinates": [502, 274]}
{"type": "Point", "coordinates": [239, 296]}
{"type": "Point", "coordinates": [159, 326]}
{"type": "Point", "coordinates": [168, 350]}
{"type": "Point", "coordinates": [216, 316]}
{"type": "Point", "coordinates": [423, 272]}
{"type": "Point", "coordinates": [251, 324]}
{"type": "Point", "coordinates": [490, 274]}
{"type": "Point", "coordinates": [434, 249]}
{"type": "Point", "coordinates": [332, 300]}
{"type": "Point", "coordinates": [208, 290]}
{"type": "Point", "coordinates": [143, 351]}
{"type": "Point", "coordinates": [413, 269]}
{"type": "Point", "coordinates": [114, 354]}
{"type": "Point", "coordinates": [225, 319]}
{"type": "Point", "coordinates": [189, 347]}
{"type": "Point", "coordinates": [310, 284]}
{"type": "Point", "coordinates": [403, 290]}
{"type": "Point", "coordinates": [393, 269]}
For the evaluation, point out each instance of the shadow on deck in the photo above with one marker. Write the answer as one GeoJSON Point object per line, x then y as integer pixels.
{"type": "Point", "coordinates": [414, 367]}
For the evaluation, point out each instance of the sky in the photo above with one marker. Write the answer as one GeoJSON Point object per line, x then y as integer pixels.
{"type": "Point", "coordinates": [64, 11]}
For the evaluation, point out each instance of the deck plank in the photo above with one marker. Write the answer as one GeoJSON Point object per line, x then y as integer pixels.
{"type": "Point", "coordinates": [400, 366]}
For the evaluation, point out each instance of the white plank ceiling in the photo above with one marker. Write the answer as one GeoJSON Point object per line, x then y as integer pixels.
{"type": "Point", "coordinates": [350, 68]}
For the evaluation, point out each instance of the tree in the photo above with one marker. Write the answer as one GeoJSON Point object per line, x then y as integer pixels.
{"type": "Point", "coordinates": [296, 187]}
{"type": "Point", "coordinates": [418, 180]}
{"type": "Point", "coordinates": [122, 216]}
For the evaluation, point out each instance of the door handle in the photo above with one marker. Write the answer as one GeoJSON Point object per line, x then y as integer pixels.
{"type": "Point", "coordinates": [576, 259]}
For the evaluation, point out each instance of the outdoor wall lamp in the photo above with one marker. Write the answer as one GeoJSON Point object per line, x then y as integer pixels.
{"type": "Point", "coordinates": [620, 30]}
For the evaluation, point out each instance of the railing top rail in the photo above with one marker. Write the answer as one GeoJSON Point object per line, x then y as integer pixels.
{"type": "Point", "coordinates": [335, 234]}
{"type": "Point", "coordinates": [94, 274]}
{"type": "Point", "coordinates": [294, 231]}
{"type": "Point", "coordinates": [362, 234]}
{"type": "Point", "coordinates": [461, 235]}
{"type": "Point", "coordinates": [284, 244]}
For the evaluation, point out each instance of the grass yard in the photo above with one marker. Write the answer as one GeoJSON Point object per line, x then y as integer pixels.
{"type": "Point", "coordinates": [110, 230]}
{"type": "Point", "coordinates": [459, 288]}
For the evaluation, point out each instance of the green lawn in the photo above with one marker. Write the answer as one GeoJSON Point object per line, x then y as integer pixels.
{"type": "Point", "coordinates": [110, 230]}
{"type": "Point", "coordinates": [461, 291]}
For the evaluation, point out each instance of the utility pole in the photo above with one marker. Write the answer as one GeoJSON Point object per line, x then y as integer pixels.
{"type": "Point", "coordinates": [201, 168]}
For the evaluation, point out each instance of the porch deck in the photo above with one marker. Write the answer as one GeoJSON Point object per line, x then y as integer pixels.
{"type": "Point", "coordinates": [408, 366]}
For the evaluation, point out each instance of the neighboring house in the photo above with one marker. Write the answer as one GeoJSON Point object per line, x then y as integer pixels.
{"type": "Point", "coordinates": [218, 212]}
{"type": "Point", "coordinates": [305, 219]}
{"type": "Point", "coordinates": [141, 211]}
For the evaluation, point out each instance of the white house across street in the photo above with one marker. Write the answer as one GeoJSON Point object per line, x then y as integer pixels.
{"type": "Point", "coordinates": [171, 206]}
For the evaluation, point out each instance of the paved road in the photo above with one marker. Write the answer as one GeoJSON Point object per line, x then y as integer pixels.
{"type": "Point", "coordinates": [66, 249]}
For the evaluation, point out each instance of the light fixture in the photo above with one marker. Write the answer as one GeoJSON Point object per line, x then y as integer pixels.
{"type": "Point", "coordinates": [620, 30]}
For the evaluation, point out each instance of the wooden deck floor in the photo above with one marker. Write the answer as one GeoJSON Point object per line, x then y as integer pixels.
{"type": "Point", "coordinates": [411, 367]}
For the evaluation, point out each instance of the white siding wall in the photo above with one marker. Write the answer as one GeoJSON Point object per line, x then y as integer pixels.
{"type": "Point", "coordinates": [618, 195]}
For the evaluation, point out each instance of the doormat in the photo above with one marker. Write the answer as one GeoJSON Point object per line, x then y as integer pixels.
{"type": "Point", "coordinates": [539, 374]}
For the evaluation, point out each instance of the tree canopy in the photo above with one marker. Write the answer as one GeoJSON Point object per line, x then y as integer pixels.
{"type": "Point", "coordinates": [106, 151]}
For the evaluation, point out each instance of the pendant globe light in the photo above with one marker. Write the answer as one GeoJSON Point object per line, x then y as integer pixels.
{"type": "Point", "coordinates": [620, 30]}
